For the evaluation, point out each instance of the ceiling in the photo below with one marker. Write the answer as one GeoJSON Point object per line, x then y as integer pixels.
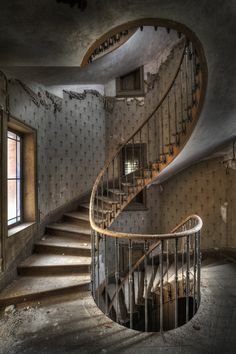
{"type": "Point", "coordinates": [45, 33]}
{"type": "Point", "coordinates": [141, 48]}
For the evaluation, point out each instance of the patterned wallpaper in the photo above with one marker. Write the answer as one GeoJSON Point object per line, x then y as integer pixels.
{"type": "Point", "coordinates": [128, 113]}
{"type": "Point", "coordinates": [204, 189]}
{"type": "Point", "coordinates": [71, 141]}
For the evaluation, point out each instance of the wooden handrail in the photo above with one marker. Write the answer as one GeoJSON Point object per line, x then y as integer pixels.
{"type": "Point", "coordinates": [96, 184]}
{"type": "Point", "coordinates": [144, 237]}
{"type": "Point", "coordinates": [155, 245]}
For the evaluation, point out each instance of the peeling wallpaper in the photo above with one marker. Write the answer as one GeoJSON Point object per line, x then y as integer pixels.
{"type": "Point", "coordinates": [71, 143]}
{"type": "Point", "coordinates": [129, 113]}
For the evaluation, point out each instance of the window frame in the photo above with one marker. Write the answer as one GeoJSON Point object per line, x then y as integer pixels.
{"type": "Point", "coordinates": [120, 92]}
{"type": "Point", "coordinates": [134, 206]}
{"type": "Point", "coordinates": [20, 135]}
{"type": "Point", "coordinates": [29, 202]}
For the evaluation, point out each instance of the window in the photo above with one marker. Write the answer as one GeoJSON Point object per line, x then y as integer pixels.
{"type": "Point", "coordinates": [131, 84]}
{"type": "Point", "coordinates": [14, 178]}
{"type": "Point", "coordinates": [21, 176]}
{"type": "Point", "coordinates": [133, 159]}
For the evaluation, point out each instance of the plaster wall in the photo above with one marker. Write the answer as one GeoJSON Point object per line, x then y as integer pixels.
{"type": "Point", "coordinates": [129, 113]}
{"type": "Point", "coordinates": [71, 144]}
{"type": "Point", "coordinates": [203, 189]}
{"type": "Point", "coordinates": [70, 153]}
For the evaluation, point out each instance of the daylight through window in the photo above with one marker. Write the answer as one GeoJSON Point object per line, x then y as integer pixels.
{"type": "Point", "coordinates": [14, 178]}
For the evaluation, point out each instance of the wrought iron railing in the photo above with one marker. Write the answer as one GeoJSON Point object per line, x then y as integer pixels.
{"type": "Point", "coordinates": [167, 272]}
{"type": "Point", "coordinates": [163, 133]}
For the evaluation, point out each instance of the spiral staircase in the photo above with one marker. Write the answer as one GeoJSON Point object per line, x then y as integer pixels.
{"type": "Point", "coordinates": [149, 282]}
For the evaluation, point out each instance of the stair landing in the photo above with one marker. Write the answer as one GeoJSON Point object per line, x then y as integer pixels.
{"type": "Point", "coordinates": [31, 288]}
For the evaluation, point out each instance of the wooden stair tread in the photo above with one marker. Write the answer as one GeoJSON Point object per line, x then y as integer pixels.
{"type": "Point", "coordinates": [34, 285]}
{"type": "Point", "coordinates": [116, 191]}
{"type": "Point", "coordinates": [107, 200]}
{"type": "Point", "coordinates": [78, 215]}
{"type": "Point", "coordinates": [70, 227]}
{"type": "Point", "coordinates": [60, 241]}
{"type": "Point", "coordinates": [47, 260]}
{"type": "Point", "coordinates": [104, 210]}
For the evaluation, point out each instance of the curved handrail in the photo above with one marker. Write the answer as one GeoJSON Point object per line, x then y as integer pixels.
{"type": "Point", "coordinates": [195, 229]}
{"type": "Point", "coordinates": [173, 234]}
{"type": "Point", "coordinates": [91, 207]}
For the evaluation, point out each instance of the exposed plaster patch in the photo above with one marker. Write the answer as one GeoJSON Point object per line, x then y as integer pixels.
{"type": "Point", "coordinates": [223, 211]}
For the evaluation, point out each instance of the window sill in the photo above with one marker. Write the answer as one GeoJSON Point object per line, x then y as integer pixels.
{"type": "Point", "coordinates": [19, 228]}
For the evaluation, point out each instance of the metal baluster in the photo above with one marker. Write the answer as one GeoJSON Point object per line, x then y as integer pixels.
{"type": "Point", "coordinates": [98, 267]}
{"type": "Point", "coordinates": [194, 74]}
{"type": "Point", "coordinates": [181, 99]}
{"type": "Point", "coordinates": [162, 131]}
{"type": "Point", "coordinates": [145, 287]}
{"type": "Point", "coordinates": [117, 261]}
{"type": "Point", "coordinates": [175, 108]}
{"type": "Point", "coordinates": [153, 276]}
{"type": "Point", "coordinates": [130, 286]}
{"type": "Point", "coordinates": [159, 135]}
{"type": "Point", "coordinates": [113, 178]}
{"type": "Point", "coordinates": [119, 172]}
{"type": "Point", "coordinates": [126, 177]}
{"type": "Point", "coordinates": [155, 137]}
{"type": "Point", "coordinates": [97, 212]}
{"type": "Point", "coordinates": [194, 272]}
{"type": "Point", "coordinates": [169, 118]}
{"type": "Point", "coordinates": [186, 78]}
{"type": "Point", "coordinates": [182, 262]}
{"type": "Point", "coordinates": [106, 273]}
{"type": "Point", "coordinates": [187, 280]}
{"type": "Point", "coordinates": [191, 73]}
{"type": "Point", "coordinates": [167, 261]}
{"type": "Point", "coordinates": [176, 282]}
{"type": "Point", "coordinates": [133, 163]}
{"type": "Point", "coordinates": [107, 175]}
{"type": "Point", "coordinates": [161, 286]}
{"type": "Point", "coordinates": [102, 191]}
{"type": "Point", "coordinates": [140, 154]}
{"type": "Point", "coordinates": [148, 145]}
{"type": "Point", "coordinates": [198, 268]}
{"type": "Point", "coordinates": [93, 262]}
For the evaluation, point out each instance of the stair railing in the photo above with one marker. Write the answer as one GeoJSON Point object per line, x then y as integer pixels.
{"type": "Point", "coordinates": [162, 248]}
{"type": "Point", "coordinates": [158, 141]}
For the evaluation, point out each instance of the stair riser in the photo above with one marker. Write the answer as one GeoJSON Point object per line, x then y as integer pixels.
{"type": "Point", "coordinates": [68, 251]}
{"type": "Point", "coordinates": [76, 221]}
{"type": "Point", "coordinates": [54, 270]}
{"type": "Point", "coordinates": [99, 211]}
{"type": "Point", "coordinates": [44, 294]}
{"type": "Point", "coordinates": [63, 233]}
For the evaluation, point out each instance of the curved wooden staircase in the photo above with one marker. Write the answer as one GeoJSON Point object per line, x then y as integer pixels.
{"type": "Point", "coordinates": [149, 292]}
